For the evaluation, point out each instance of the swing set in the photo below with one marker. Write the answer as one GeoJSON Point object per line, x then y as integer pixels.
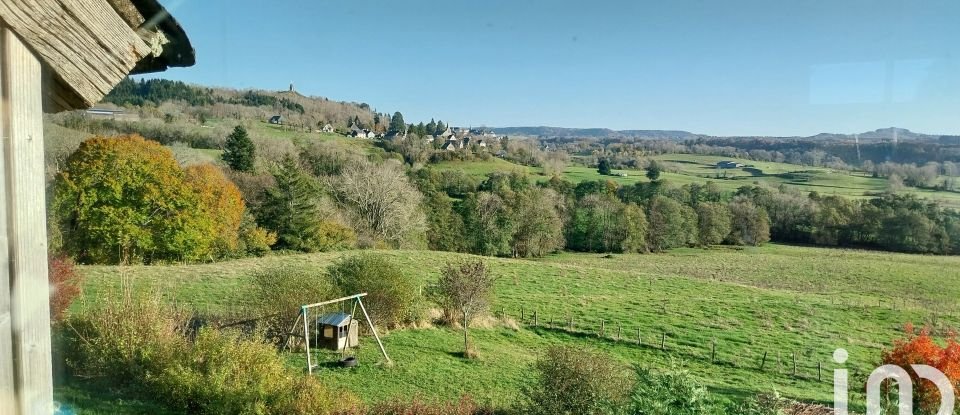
{"type": "Point", "coordinates": [339, 328]}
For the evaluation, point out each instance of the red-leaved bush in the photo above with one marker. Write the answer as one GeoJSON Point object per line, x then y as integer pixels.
{"type": "Point", "coordinates": [64, 285]}
{"type": "Point", "coordinates": [920, 348]}
{"type": "Point", "coordinates": [465, 406]}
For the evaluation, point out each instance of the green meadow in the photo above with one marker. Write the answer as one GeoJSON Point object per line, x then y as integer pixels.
{"type": "Point", "coordinates": [788, 303]}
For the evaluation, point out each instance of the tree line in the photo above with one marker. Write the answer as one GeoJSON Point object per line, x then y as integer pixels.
{"type": "Point", "coordinates": [126, 199]}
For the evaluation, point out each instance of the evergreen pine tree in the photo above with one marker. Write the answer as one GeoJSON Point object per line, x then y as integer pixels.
{"type": "Point", "coordinates": [291, 209]}
{"type": "Point", "coordinates": [604, 167]}
{"type": "Point", "coordinates": [239, 152]}
{"type": "Point", "coordinates": [396, 123]}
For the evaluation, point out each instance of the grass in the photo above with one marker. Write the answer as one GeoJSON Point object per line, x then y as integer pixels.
{"type": "Point", "coordinates": [692, 168]}
{"type": "Point", "coordinates": [776, 299]}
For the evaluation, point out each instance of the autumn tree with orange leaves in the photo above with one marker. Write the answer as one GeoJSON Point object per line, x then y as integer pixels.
{"type": "Point", "coordinates": [126, 200]}
{"type": "Point", "coordinates": [221, 202]}
{"type": "Point", "coordinates": [920, 348]}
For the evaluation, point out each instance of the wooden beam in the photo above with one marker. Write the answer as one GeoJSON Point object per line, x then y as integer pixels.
{"type": "Point", "coordinates": [26, 234]}
{"type": "Point", "coordinates": [8, 404]}
{"type": "Point", "coordinates": [334, 301]}
{"type": "Point", "coordinates": [85, 42]}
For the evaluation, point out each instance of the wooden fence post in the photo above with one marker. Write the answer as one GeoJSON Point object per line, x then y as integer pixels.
{"type": "Point", "coordinates": [794, 363]}
{"type": "Point", "coordinates": [763, 361]}
{"type": "Point", "coordinates": [713, 351]}
{"type": "Point", "coordinates": [819, 374]}
{"type": "Point", "coordinates": [639, 341]}
{"type": "Point", "coordinates": [618, 331]}
{"type": "Point", "coordinates": [536, 321]}
{"type": "Point", "coordinates": [663, 341]}
{"type": "Point", "coordinates": [601, 327]}
{"type": "Point", "coordinates": [521, 314]}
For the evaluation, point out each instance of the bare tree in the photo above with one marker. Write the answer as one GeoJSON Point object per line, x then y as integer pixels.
{"type": "Point", "coordinates": [381, 200]}
{"type": "Point", "coordinates": [465, 289]}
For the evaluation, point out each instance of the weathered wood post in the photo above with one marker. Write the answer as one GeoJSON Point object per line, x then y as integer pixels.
{"type": "Point", "coordinates": [55, 55]}
{"type": "Point", "coordinates": [663, 341]}
{"type": "Point", "coordinates": [536, 321]}
{"type": "Point", "coordinates": [618, 331]}
{"type": "Point", "coordinates": [639, 340]}
{"type": "Point", "coordinates": [763, 361]}
{"type": "Point", "coordinates": [713, 351]}
{"type": "Point", "coordinates": [601, 327]}
{"type": "Point", "coordinates": [819, 370]}
{"type": "Point", "coordinates": [794, 363]}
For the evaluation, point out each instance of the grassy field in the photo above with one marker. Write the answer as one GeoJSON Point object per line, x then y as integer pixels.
{"type": "Point", "coordinates": [693, 168]}
{"type": "Point", "coordinates": [780, 300]}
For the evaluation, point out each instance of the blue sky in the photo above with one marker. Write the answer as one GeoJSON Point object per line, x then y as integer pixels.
{"type": "Point", "coordinates": [715, 67]}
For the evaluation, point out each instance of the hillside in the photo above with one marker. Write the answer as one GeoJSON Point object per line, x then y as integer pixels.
{"type": "Point", "coordinates": [801, 301]}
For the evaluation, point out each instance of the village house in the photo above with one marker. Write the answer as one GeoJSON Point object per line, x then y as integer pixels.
{"type": "Point", "coordinates": [327, 128]}
{"type": "Point", "coordinates": [358, 132]}
{"type": "Point", "coordinates": [445, 135]}
{"type": "Point", "coordinates": [276, 119]}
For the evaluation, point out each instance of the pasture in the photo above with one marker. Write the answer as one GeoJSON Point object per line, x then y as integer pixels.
{"type": "Point", "coordinates": [783, 301]}
{"type": "Point", "coordinates": [692, 168]}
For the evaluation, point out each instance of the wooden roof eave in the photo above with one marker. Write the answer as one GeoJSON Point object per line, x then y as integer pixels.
{"type": "Point", "coordinates": [88, 46]}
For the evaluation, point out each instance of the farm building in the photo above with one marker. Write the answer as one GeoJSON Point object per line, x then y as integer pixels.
{"type": "Point", "coordinates": [110, 114]}
{"type": "Point", "coordinates": [327, 128]}
{"type": "Point", "coordinates": [361, 132]}
{"type": "Point", "coordinates": [276, 119]}
{"type": "Point", "coordinates": [729, 165]}
{"type": "Point", "coordinates": [337, 331]}
{"type": "Point", "coordinates": [55, 55]}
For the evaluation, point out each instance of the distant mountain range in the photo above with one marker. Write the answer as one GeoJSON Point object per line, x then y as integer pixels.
{"type": "Point", "coordinates": [560, 132]}
{"type": "Point", "coordinates": [882, 134]}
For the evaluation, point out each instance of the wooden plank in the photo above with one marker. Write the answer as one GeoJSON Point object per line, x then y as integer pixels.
{"type": "Point", "coordinates": [8, 405]}
{"type": "Point", "coordinates": [22, 135]}
{"type": "Point", "coordinates": [335, 301]}
{"type": "Point", "coordinates": [85, 42]}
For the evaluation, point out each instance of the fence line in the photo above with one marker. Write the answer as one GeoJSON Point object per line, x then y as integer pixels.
{"type": "Point", "coordinates": [672, 342]}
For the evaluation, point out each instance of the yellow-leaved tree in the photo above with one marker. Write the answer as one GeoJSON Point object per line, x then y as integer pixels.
{"type": "Point", "coordinates": [126, 200]}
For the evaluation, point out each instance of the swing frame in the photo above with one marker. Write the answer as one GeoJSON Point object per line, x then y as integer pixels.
{"type": "Point", "coordinates": [305, 317]}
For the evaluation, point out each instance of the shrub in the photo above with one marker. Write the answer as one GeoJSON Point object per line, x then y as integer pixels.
{"type": "Point", "coordinates": [392, 296]}
{"type": "Point", "coordinates": [773, 404]}
{"type": "Point", "coordinates": [131, 337]}
{"type": "Point", "coordinates": [574, 380]}
{"type": "Point", "coordinates": [137, 341]}
{"type": "Point", "coordinates": [65, 284]}
{"type": "Point", "coordinates": [670, 392]}
{"type": "Point", "coordinates": [278, 294]}
{"type": "Point", "coordinates": [254, 240]}
{"type": "Point", "coordinates": [223, 373]}
{"type": "Point", "coordinates": [464, 406]}
{"type": "Point", "coordinates": [920, 348]}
